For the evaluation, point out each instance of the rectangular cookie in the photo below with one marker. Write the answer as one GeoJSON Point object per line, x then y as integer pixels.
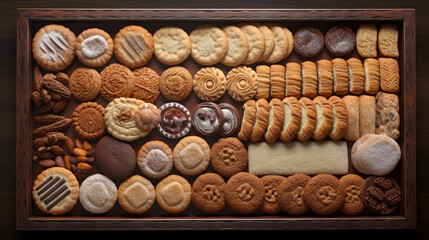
{"type": "Point", "coordinates": [352, 104]}
{"type": "Point", "coordinates": [366, 114]}
{"type": "Point", "coordinates": [388, 36]}
{"type": "Point", "coordinates": [389, 75]}
{"type": "Point", "coordinates": [311, 157]}
{"type": "Point", "coordinates": [387, 115]}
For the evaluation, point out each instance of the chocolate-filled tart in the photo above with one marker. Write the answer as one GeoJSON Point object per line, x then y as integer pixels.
{"type": "Point", "coordinates": [207, 119]}
{"type": "Point", "coordinates": [232, 120]}
{"type": "Point", "coordinates": [175, 120]}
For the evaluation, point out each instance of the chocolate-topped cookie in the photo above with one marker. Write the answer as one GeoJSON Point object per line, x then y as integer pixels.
{"type": "Point", "coordinates": [232, 120]}
{"type": "Point", "coordinates": [340, 40]}
{"type": "Point", "coordinates": [207, 119]}
{"type": "Point", "coordinates": [381, 194]}
{"type": "Point", "coordinates": [308, 42]}
{"type": "Point", "coordinates": [175, 120]}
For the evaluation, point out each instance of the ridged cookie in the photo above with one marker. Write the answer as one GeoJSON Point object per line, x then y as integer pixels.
{"type": "Point", "coordinates": [356, 76]}
{"type": "Point", "coordinates": [293, 80]}
{"type": "Point", "coordinates": [340, 118]}
{"type": "Point", "coordinates": [209, 84]}
{"type": "Point", "coordinates": [325, 77]}
{"type": "Point", "coordinates": [324, 118]}
{"type": "Point", "coordinates": [366, 40]}
{"type": "Point", "coordinates": [241, 83]}
{"type": "Point", "coordinates": [388, 36]}
{"type": "Point", "coordinates": [309, 79]}
{"type": "Point", "coordinates": [278, 81]}
{"type": "Point", "coordinates": [341, 76]}
{"type": "Point", "coordinates": [372, 75]}
{"type": "Point", "coordinates": [263, 74]}
{"type": "Point", "coordinates": [389, 75]}
{"type": "Point", "coordinates": [292, 119]}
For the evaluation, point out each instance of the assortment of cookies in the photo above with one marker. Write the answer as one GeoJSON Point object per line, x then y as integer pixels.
{"type": "Point", "coordinates": [285, 152]}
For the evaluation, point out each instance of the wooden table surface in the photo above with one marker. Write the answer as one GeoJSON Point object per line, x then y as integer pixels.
{"type": "Point", "coordinates": [8, 12]}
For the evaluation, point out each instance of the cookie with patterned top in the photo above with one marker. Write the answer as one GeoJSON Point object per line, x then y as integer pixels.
{"type": "Point", "coordinates": [88, 120]}
{"type": "Point", "coordinates": [208, 193]}
{"type": "Point", "coordinates": [290, 194]}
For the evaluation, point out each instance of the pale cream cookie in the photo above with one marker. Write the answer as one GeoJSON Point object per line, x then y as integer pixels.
{"type": "Point", "coordinates": [388, 36]}
{"type": "Point", "coordinates": [209, 44]}
{"type": "Point", "coordinates": [256, 43]}
{"type": "Point", "coordinates": [281, 45]}
{"type": "Point", "coordinates": [173, 194]}
{"type": "Point", "coordinates": [238, 47]}
{"type": "Point", "coordinates": [269, 40]}
{"type": "Point", "coordinates": [136, 194]}
{"type": "Point", "coordinates": [366, 40]}
{"type": "Point", "coordinates": [191, 156]}
{"type": "Point", "coordinates": [172, 45]}
{"type": "Point", "coordinates": [94, 47]}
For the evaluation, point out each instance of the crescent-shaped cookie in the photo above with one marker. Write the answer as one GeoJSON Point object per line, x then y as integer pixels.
{"type": "Point", "coordinates": [308, 120]}
{"type": "Point", "coordinates": [340, 118]}
{"type": "Point", "coordinates": [324, 118]}
{"type": "Point", "coordinates": [292, 119]}
{"type": "Point", "coordinates": [275, 120]}
{"type": "Point", "coordinates": [248, 120]}
{"type": "Point", "coordinates": [261, 121]}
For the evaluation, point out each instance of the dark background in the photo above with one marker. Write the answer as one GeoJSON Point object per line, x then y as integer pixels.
{"type": "Point", "coordinates": [8, 29]}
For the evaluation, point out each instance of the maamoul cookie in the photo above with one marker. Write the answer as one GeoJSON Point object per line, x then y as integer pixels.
{"type": "Point", "coordinates": [308, 42]}
{"type": "Point", "coordinates": [231, 118]}
{"type": "Point", "coordinates": [244, 193]}
{"type": "Point", "coordinates": [98, 194]}
{"type": "Point", "coordinates": [278, 81]}
{"type": "Point", "coordinates": [209, 84]}
{"type": "Point", "coordinates": [367, 114]}
{"type": "Point", "coordinates": [208, 193]}
{"type": "Point", "coordinates": [389, 75]}
{"type": "Point", "coordinates": [120, 120]}
{"type": "Point", "coordinates": [388, 119]}
{"type": "Point", "coordinates": [293, 80]}
{"type": "Point", "coordinates": [371, 67]}
{"type": "Point", "coordinates": [173, 194]}
{"type": "Point", "coordinates": [340, 76]}
{"type": "Point", "coordinates": [261, 120]}
{"type": "Point", "coordinates": [55, 191]}
{"type": "Point", "coordinates": [353, 204]}
{"type": "Point", "coordinates": [94, 47]}
{"type": "Point", "coordinates": [269, 40]}
{"type": "Point", "coordinates": [238, 47]}
{"type": "Point", "coordinates": [340, 118]}
{"type": "Point", "coordinates": [228, 156]}
{"type": "Point", "coordinates": [325, 77]}
{"type": "Point", "coordinates": [324, 194]}
{"type": "Point", "coordinates": [175, 120]}
{"type": "Point", "coordinates": [309, 79]}
{"type": "Point", "coordinates": [116, 81]}
{"type": "Point", "coordinates": [241, 83]}
{"type": "Point", "coordinates": [292, 119]}
{"type": "Point", "coordinates": [263, 75]}
{"type": "Point", "coordinates": [248, 120]}
{"type": "Point", "coordinates": [275, 120]}
{"type": "Point", "coordinates": [290, 194]}
{"type": "Point", "coordinates": [88, 120]}
{"type": "Point", "coordinates": [136, 194]}
{"type": "Point", "coordinates": [207, 119]}
{"type": "Point", "coordinates": [340, 40]}
{"type": "Point", "coordinates": [191, 156]}
{"type": "Point", "coordinates": [324, 118]}
{"type": "Point", "coordinates": [172, 45]}
{"type": "Point", "coordinates": [85, 84]}
{"type": "Point", "coordinates": [352, 104]}
{"type": "Point", "coordinates": [209, 44]}
{"type": "Point", "coordinates": [146, 84]}
{"type": "Point", "coordinates": [176, 83]}
{"type": "Point", "coordinates": [366, 40]}
{"type": "Point", "coordinates": [281, 43]}
{"type": "Point", "coordinates": [133, 46]}
{"type": "Point", "coordinates": [271, 185]}
{"type": "Point", "coordinates": [356, 76]}
{"type": "Point", "coordinates": [147, 116]}
{"type": "Point", "coordinates": [388, 36]}
{"type": "Point", "coordinates": [256, 43]}
{"type": "Point", "coordinates": [116, 159]}
{"type": "Point", "coordinates": [308, 119]}
{"type": "Point", "coordinates": [155, 159]}
{"type": "Point", "coordinates": [53, 47]}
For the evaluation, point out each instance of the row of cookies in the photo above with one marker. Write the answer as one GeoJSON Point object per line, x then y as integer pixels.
{"type": "Point", "coordinates": [385, 39]}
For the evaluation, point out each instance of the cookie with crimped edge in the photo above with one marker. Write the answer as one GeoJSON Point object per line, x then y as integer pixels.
{"type": "Point", "coordinates": [98, 194]}
{"type": "Point", "coordinates": [248, 120]}
{"type": "Point", "coordinates": [133, 46]}
{"type": "Point", "coordinates": [340, 76]}
{"type": "Point", "coordinates": [208, 193]}
{"type": "Point", "coordinates": [191, 155]}
{"type": "Point", "coordinates": [290, 194]}
{"type": "Point", "coordinates": [293, 80]}
{"type": "Point", "coordinates": [325, 78]}
{"type": "Point", "coordinates": [388, 36]}
{"type": "Point", "coordinates": [53, 47]}
{"type": "Point", "coordinates": [155, 159]}
{"type": "Point", "coordinates": [173, 194]}
{"type": "Point", "coordinates": [389, 75]}
{"type": "Point", "coordinates": [261, 120]}
{"type": "Point", "coordinates": [88, 120]}
{"type": "Point", "coordinates": [136, 194]}
{"type": "Point", "coordinates": [292, 119]}
{"type": "Point", "coordinates": [366, 40]}
{"type": "Point", "coordinates": [209, 84]}
{"type": "Point", "coordinates": [85, 83]}
{"type": "Point", "coordinates": [209, 44]}
{"type": "Point", "coordinates": [172, 45]}
{"type": "Point", "coordinates": [241, 83]}
{"type": "Point", "coordinates": [228, 156]}
{"type": "Point", "coordinates": [340, 118]}
{"type": "Point", "coordinates": [146, 84]}
{"type": "Point", "coordinates": [324, 118]}
{"type": "Point", "coordinates": [176, 83]}
{"type": "Point", "coordinates": [117, 81]}
{"type": "Point", "coordinates": [175, 120]}
{"type": "Point", "coordinates": [371, 67]}
{"type": "Point", "coordinates": [281, 43]}
{"type": "Point", "coordinates": [55, 191]}
{"type": "Point", "coordinates": [356, 76]}
{"type": "Point", "coordinates": [94, 47]}
{"type": "Point", "coordinates": [256, 43]}
{"type": "Point", "coordinates": [263, 74]}
{"type": "Point", "coordinates": [278, 81]}
{"type": "Point", "coordinates": [271, 185]}
{"type": "Point", "coordinates": [238, 47]}
{"type": "Point", "coordinates": [308, 119]}
{"type": "Point", "coordinates": [353, 203]}
{"type": "Point", "coordinates": [309, 79]}
{"type": "Point", "coordinates": [275, 120]}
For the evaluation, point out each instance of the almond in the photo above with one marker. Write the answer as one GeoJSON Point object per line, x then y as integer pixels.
{"type": "Point", "coordinates": [85, 167]}
{"type": "Point", "coordinates": [86, 146]}
{"type": "Point", "coordinates": [47, 163]}
{"type": "Point", "coordinates": [69, 144]}
{"type": "Point", "coordinates": [67, 162]}
{"type": "Point", "coordinates": [79, 152]}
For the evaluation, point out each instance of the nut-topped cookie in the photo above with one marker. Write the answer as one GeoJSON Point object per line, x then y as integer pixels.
{"type": "Point", "coordinates": [208, 193]}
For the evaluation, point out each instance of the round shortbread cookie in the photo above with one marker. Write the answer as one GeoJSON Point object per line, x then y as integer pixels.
{"type": "Point", "coordinates": [155, 159]}
{"type": "Point", "coordinates": [136, 194]}
{"type": "Point", "coordinates": [238, 47]}
{"type": "Point", "coordinates": [173, 194]}
{"type": "Point", "coordinates": [256, 43]}
{"type": "Point", "coordinates": [281, 46]}
{"type": "Point", "coordinates": [209, 44]}
{"type": "Point", "coordinates": [269, 40]}
{"type": "Point", "coordinates": [98, 194]}
{"type": "Point", "coordinates": [172, 45]}
{"type": "Point", "coordinates": [191, 156]}
{"type": "Point", "coordinates": [94, 47]}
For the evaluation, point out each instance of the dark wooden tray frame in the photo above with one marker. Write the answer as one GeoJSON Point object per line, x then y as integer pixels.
{"type": "Point", "coordinates": [25, 219]}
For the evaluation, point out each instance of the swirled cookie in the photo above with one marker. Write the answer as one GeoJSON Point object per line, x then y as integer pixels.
{"type": "Point", "coordinates": [175, 120]}
{"type": "Point", "coordinates": [191, 156]}
{"type": "Point", "coordinates": [209, 44]}
{"type": "Point", "coordinates": [172, 45]}
{"type": "Point", "coordinates": [53, 47]}
{"type": "Point", "coordinates": [209, 84]}
{"type": "Point", "coordinates": [238, 47]}
{"type": "Point", "coordinates": [116, 81]}
{"type": "Point", "coordinates": [366, 40]}
{"type": "Point", "coordinates": [155, 159]}
{"type": "Point", "coordinates": [120, 121]}
{"type": "Point", "coordinates": [207, 119]}
{"type": "Point", "coordinates": [146, 84]}
{"type": "Point", "coordinates": [88, 120]}
{"type": "Point", "coordinates": [176, 83]}
{"type": "Point", "coordinates": [133, 46]}
{"type": "Point", "coordinates": [388, 40]}
{"type": "Point", "coordinates": [85, 83]}
{"type": "Point", "coordinates": [241, 83]}
{"type": "Point", "coordinates": [94, 47]}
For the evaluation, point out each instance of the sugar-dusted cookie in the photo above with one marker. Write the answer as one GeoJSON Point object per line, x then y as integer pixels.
{"type": "Point", "coordinates": [290, 194]}
{"type": "Point", "coordinates": [176, 83]}
{"type": "Point", "coordinates": [292, 119]}
{"type": "Point", "coordinates": [256, 43]}
{"type": "Point", "coordinates": [241, 83]}
{"type": "Point", "coordinates": [55, 191]}
{"type": "Point", "coordinates": [238, 47]}
{"type": "Point", "coordinates": [366, 40]}
{"type": "Point", "coordinates": [207, 119]}
{"type": "Point", "coordinates": [353, 203]}
{"type": "Point", "coordinates": [308, 42]}
{"type": "Point", "coordinates": [308, 119]}
{"type": "Point", "coordinates": [228, 156]}
{"type": "Point", "coordinates": [275, 120]}
{"type": "Point", "coordinates": [371, 67]}
{"type": "Point", "coordinates": [356, 76]}
{"type": "Point", "coordinates": [263, 74]}
{"type": "Point", "coordinates": [208, 193]}
{"type": "Point", "coordinates": [136, 194]}
{"type": "Point", "coordinates": [94, 47]}
{"type": "Point", "coordinates": [293, 80]}
{"type": "Point", "coordinates": [340, 76]}
{"type": "Point", "coordinates": [261, 120]}
{"type": "Point", "coordinates": [133, 46]}
{"type": "Point", "coordinates": [53, 47]}
{"type": "Point", "coordinates": [281, 43]}
{"type": "Point", "coordinates": [191, 156]}
{"type": "Point", "coordinates": [388, 36]}
{"type": "Point", "coordinates": [209, 44]}
{"type": "Point", "coordinates": [175, 120]}
{"type": "Point", "coordinates": [309, 79]}
{"type": "Point", "coordinates": [88, 120]}
{"type": "Point", "coordinates": [269, 40]}
{"type": "Point", "coordinates": [248, 119]}
{"type": "Point", "coordinates": [389, 75]}
{"type": "Point", "coordinates": [155, 159]}
{"type": "Point", "coordinates": [173, 194]}
{"type": "Point", "coordinates": [98, 194]}
{"type": "Point", "coordinates": [85, 83]}
{"type": "Point", "coordinates": [271, 185]}
{"type": "Point", "coordinates": [278, 81]}
{"type": "Point", "coordinates": [172, 45]}
{"type": "Point", "coordinates": [146, 84]}
{"type": "Point", "coordinates": [340, 40]}
{"type": "Point", "coordinates": [209, 84]}
{"type": "Point", "coordinates": [325, 77]}
{"type": "Point", "coordinates": [116, 81]}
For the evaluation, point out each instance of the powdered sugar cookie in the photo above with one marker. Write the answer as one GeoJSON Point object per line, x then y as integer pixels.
{"type": "Point", "coordinates": [94, 47]}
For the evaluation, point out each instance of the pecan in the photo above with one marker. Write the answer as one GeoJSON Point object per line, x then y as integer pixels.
{"type": "Point", "coordinates": [49, 139]}
{"type": "Point", "coordinates": [37, 79]}
{"type": "Point", "coordinates": [60, 105]}
{"type": "Point", "coordinates": [57, 150]}
{"type": "Point", "coordinates": [53, 127]}
{"type": "Point", "coordinates": [63, 78]}
{"type": "Point", "coordinates": [50, 82]}
{"type": "Point", "coordinates": [47, 119]}
{"type": "Point", "coordinates": [55, 96]}
{"type": "Point", "coordinates": [36, 98]}
{"type": "Point", "coordinates": [47, 107]}
{"type": "Point", "coordinates": [46, 98]}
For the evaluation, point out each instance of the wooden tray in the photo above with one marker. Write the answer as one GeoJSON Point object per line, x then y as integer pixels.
{"type": "Point", "coordinates": [111, 20]}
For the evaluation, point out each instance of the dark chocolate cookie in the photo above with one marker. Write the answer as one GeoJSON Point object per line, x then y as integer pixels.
{"type": "Point", "coordinates": [340, 40]}
{"type": "Point", "coordinates": [308, 42]}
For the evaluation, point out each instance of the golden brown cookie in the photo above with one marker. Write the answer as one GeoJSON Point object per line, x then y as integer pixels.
{"type": "Point", "coordinates": [208, 193]}
{"type": "Point", "coordinates": [271, 185]}
{"type": "Point", "coordinates": [241, 83]}
{"type": "Point", "coordinates": [261, 120]}
{"type": "Point", "coordinates": [340, 76]}
{"type": "Point", "coordinates": [340, 118]}
{"type": "Point", "coordinates": [356, 76]}
{"type": "Point", "coordinates": [388, 119]}
{"type": "Point", "coordinates": [256, 43]}
{"type": "Point", "coordinates": [209, 44]}
{"type": "Point", "coordinates": [209, 84]}
{"type": "Point", "coordinates": [228, 156]}
{"type": "Point", "coordinates": [292, 119]}
{"type": "Point", "coordinates": [191, 156]}
{"type": "Point", "coordinates": [88, 120]}
{"type": "Point", "coordinates": [136, 194]}
{"type": "Point", "coordinates": [293, 80]}
{"type": "Point", "coordinates": [146, 84]}
{"type": "Point", "coordinates": [269, 40]}
{"type": "Point", "coordinates": [353, 204]}
{"type": "Point", "coordinates": [173, 194]}
{"type": "Point", "coordinates": [308, 119]}
{"type": "Point", "coordinates": [278, 81]}
{"type": "Point", "coordinates": [55, 191]}
{"type": "Point", "coordinates": [155, 159]}
{"type": "Point", "coordinates": [366, 40]}
{"type": "Point", "coordinates": [290, 39]}
{"type": "Point", "coordinates": [172, 45]}
{"type": "Point", "coordinates": [352, 104]}
{"type": "Point", "coordinates": [389, 75]}
{"type": "Point", "coordinates": [176, 83]}
{"type": "Point", "coordinates": [263, 73]}
{"type": "Point", "coordinates": [147, 116]}
{"type": "Point", "coordinates": [309, 79]}
{"type": "Point", "coordinates": [388, 36]}
{"type": "Point", "coordinates": [248, 120]}
{"type": "Point", "coordinates": [325, 78]}
{"type": "Point", "coordinates": [290, 194]}
{"type": "Point", "coordinates": [116, 81]}
{"type": "Point", "coordinates": [372, 75]}
{"type": "Point", "coordinates": [133, 46]}
{"type": "Point", "coordinates": [53, 47]}
{"type": "Point", "coordinates": [275, 120]}
{"type": "Point", "coordinates": [85, 84]}
{"type": "Point", "coordinates": [281, 43]}
{"type": "Point", "coordinates": [238, 47]}
{"type": "Point", "coordinates": [94, 47]}
{"type": "Point", "coordinates": [324, 118]}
